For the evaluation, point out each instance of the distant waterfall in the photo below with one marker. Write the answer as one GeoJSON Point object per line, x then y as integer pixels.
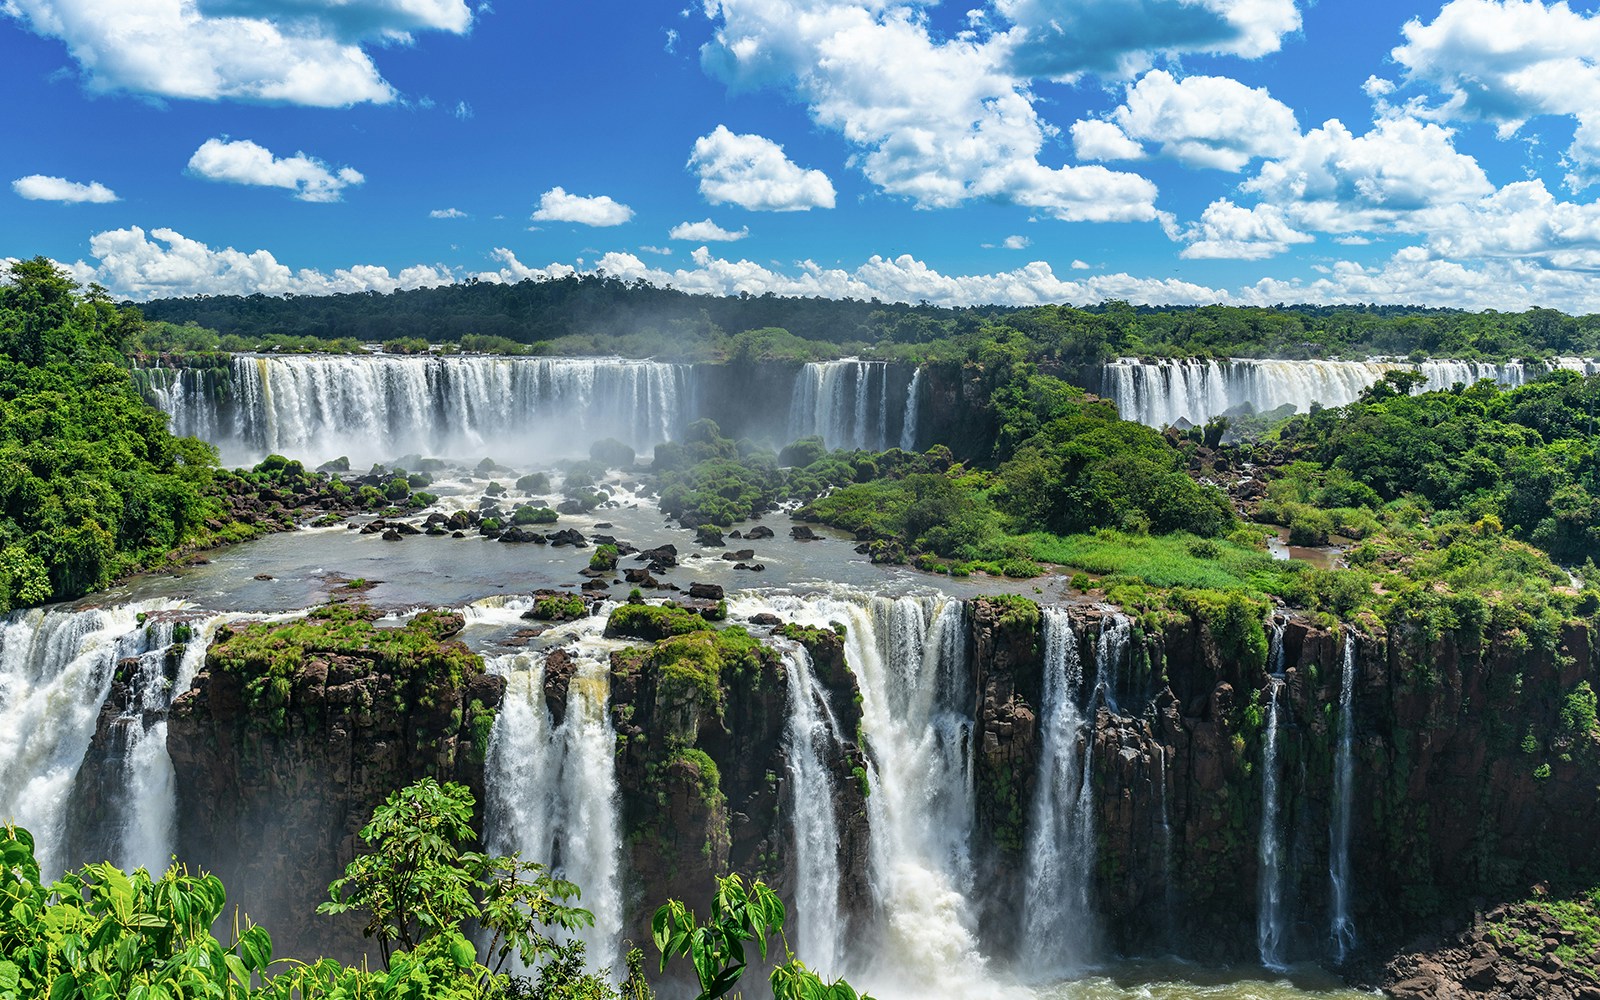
{"type": "Point", "coordinates": [1058, 921]}
{"type": "Point", "coordinates": [1342, 928]}
{"type": "Point", "coordinates": [1162, 392]}
{"type": "Point", "coordinates": [1270, 918]}
{"type": "Point", "coordinates": [552, 790]}
{"type": "Point", "coordinates": [846, 403]}
{"type": "Point", "coordinates": [377, 408]}
{"type": "Point", "coordinates": [908, 426]}
{"type": "Point", "coordinates": [812, 735]}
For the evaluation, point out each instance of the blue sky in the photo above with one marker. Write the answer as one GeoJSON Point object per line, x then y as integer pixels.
{"type": "Point", "coordinates": [1019, 151]}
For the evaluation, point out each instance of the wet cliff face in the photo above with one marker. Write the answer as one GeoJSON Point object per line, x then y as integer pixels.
{"type": "Point", "coordinates": [293, 734]}
{"type": "Point", "coordinates": [703, 767]}
{"type": "Point", "coordinates": [1474, 778]}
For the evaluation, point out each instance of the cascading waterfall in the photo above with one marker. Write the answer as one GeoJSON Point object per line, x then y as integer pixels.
{"type": "Point", "coordinates": [150, 805]}
{"type": "Point", "coordinates": [834, 400]}
{"type": "Point", "coordinates": [1161, 392]}
{"type": "Point", "coordinates": [909, 656]}
{"type": "Point", "coordinates": [1058, 924]}
{"type": "Point", "coordinates": [376, 408]}
{"type": "Point", "coordinates": [811, 737]}
{"type": "Point", "coordinates": [908, 426]}
{"type": "Point", "coordinates": [1342, 928]}
{"type": "Point", "coordinates": [187, 395]}
{"type": "Point", "coordinates": [56, 671]}
{"type": "Point", "coordinates": [1116, 635]}
{"type": "Point", "coordinates": [552, 790]}
{"type": "Point", "coordinates": [1270, 918]}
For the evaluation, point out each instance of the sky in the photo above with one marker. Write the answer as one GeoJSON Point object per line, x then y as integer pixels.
{"type": "Point", "coordinates": [1009, 151]}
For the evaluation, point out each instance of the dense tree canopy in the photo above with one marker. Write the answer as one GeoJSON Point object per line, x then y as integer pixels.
{"type": "Point", "coordinates": [91, 483]}
{"type": "Point", "coordinates": [586, 314]}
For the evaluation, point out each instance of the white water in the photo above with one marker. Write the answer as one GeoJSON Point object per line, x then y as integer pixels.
{"type": "Point", "coordinates": [1270, 917]}
{"type": "Point", "coordinates": [1058, 922]}
{"type": "Point", "coordinates": [844, 402]}
{"type": "Point", "coordinates": [908, 426]}
{"type": "Point", "coordinates": [1116, 635]}
{"type": "Point", "coordinates": [552, 790]}
{"type": "Point", "coordinates": [1161, 392]}
{"type": "Point", "coordinates": [811, 737]}
{"type": "Point", "coordinates": [56, 670]}
{"type": "Point", "coordinates": [909, 656]}
{"type": "Point", "coordinates": [1341, 927]}
{"type": "Point", "coordinates": [376, 408]}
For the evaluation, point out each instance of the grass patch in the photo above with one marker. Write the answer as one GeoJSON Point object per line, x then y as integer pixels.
{"type": "Point", "coordinates": [1176, 560]}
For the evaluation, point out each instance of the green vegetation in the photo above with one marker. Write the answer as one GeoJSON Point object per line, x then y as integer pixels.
{"type": "Point", "coordinates": [1528, 457]}
{"type": "Point", "coordinates": [533, 515]}
{"type": "Point", "coordinates": [1567, 929]}
{"type": "Point", "coordinates": [612, 454]}
{"type": "Point", "coordinates": [269, 656]}
{"type": "Point", "coordinates": [598, 315]}
{"type": "Point", "coordinates": [92, 487]}
{"type": "Point", "coordinates": [741, 916]}
{"type": "Point", "coordinates": [559, 607]}
{"type": "Point", "coordinates": [653, 621]}
{"type": "Point", "coordinates": [101, 933]}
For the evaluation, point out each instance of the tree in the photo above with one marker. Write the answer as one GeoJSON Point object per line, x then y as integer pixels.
{"type": "Point", "coordinates": [418, 883]}
{"type": "Point", "coordinates": [99, 932]}
{"type": "Point", "coordinates": [741, 916]}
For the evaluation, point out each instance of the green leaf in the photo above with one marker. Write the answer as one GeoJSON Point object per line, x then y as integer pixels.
{"type": "Point", "coordinates": [463, 953]}
{"type": "Point", "coordinates": [255, 949]}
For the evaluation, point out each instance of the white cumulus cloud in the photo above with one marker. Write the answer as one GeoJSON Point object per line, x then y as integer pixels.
{"type": "Point", "coordinates": [165, 262]}
{"type": "Point", "coordinates": [938, 121]}
{"type": "Point", "coordinates": [241, 161]}
{"type": "Point", "coordinates": [38, 187]}
{"type": "Point", "coordinates": [1506, 61]}
{"type": "Point", "coordinates": [753, 172]}
{"type": "Point", "coordinates": [306, 52]}
{"type": "Point", "coordinates": [1093, 139]}
{"type": "Point", "coordinates": [1062, 39]}
{"type": "Point", "coordinates": [706, 231]}
{"type": "Point", "coordinates": [556, 205]}
{"type": "Point", "coordinates": [1228, 231]}
{"type": "Point", "coordinates": [1202, 121]}
{"type": "Point", "coordinates": [447, 213]}
{"type": "Point", "coordinates": [1336, 182]}
{"type": "Point", "coordinates": [897, 279]}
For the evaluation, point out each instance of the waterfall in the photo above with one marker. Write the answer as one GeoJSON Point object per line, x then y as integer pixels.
{"type": "Point", "coordinates": [1057, 915]}
{"type": "Point", "coordinates": [552, 790]}
{"type": "Point", "coordinates": [1168, 888]}
{"type": "Point", "coordinates": [910, 658]}
{"type": "Point", "coordinates": [908, 426]}
{"type": "Point", "coordinates": [1342, 928]}
{"type": "Point", "coordinates": [375, 408]}
{"type": "Point", "coordinates": [1162, 392]}
{"type": "Point", "coordinates": [56, 671]}
{"type": "Point", "coordinates": [834, 400]}
{"type": "Point", "coordinates": [1270, 927]}
{"type": "Point", "coordinates": [187, 395]}
{"type": "Point", "coordinates": [810, 739]}
{"type": "Point", "coordinates": [1116, 635]}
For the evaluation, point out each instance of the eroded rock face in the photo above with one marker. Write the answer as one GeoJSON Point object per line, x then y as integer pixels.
{"type": "Point", "coordinates": [704, 773]}
{"type": "Point", "coordinates": [1467, 790]}
{"type": "Point", "coordinates": [279, 767]}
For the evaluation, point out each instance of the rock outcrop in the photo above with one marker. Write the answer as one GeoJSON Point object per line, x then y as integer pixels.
{"type": "Point", "coordinates": [1475, 768]}
{"type": "Point", "coordinates": [293, 733]}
